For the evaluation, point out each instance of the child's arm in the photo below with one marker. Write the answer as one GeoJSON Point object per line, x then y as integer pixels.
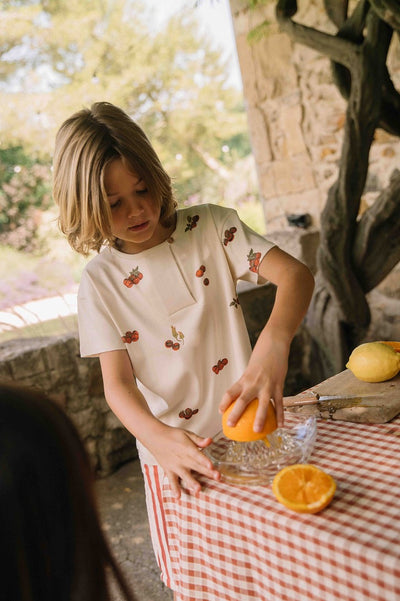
{"type": "Point", "coordinates": [265, 374]}
{"type": "Point", "coordinates": [177, 451]}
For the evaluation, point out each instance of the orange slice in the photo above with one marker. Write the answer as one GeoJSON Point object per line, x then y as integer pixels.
{"type": "Point", "coordinates": [304, 488]}
{"type": "Point", "coordinates": [243, 431]}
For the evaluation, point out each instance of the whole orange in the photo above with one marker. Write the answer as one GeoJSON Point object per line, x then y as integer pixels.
{"type": "Point", "coordinates": [243, 431]}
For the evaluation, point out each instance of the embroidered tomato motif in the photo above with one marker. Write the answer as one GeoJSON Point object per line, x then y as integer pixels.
{"type": "Point", "coordinates": [188, 413]}
{"type": "Point", "coordinates": [191, 222]}
{"type": "Point", "coordinates": [199, 274]}
{"type": "Point", "coordinates": [129, 336]}
{"type": "Point", "coordinates": [254, 260]}
{"type": "Point", "coordinates": [133, 278]}
{"type": "Point", "coordinates": [229, 235]}
{"type": "Point", "coordinates": [220, 365]}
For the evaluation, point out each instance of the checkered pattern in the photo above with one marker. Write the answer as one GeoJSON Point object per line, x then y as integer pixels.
{"type": "Point", "coordinates": [237, 543]}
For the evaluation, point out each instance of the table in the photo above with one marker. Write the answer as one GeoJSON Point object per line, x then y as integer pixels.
{"type": "Point", "coordinates": [237, 543]}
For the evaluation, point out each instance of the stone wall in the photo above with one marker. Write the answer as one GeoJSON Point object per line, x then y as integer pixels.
{"type": "Point", "coordinates": [296, 115]}
{"type": "Point", "coordinates": [53, 365]}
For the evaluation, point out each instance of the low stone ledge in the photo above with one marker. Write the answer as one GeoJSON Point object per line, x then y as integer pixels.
{"type": "Point", "coordinates": [54, 365]}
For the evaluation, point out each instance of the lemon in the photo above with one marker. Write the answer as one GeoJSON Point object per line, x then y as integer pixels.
{"type": "Point", "coordinates": [374, 362]}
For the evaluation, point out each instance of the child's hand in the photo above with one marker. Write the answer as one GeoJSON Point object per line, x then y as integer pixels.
{"type": "Point", "coordinates": [179, 454]}
{"type": "Point", "coordinates": [263, 379]}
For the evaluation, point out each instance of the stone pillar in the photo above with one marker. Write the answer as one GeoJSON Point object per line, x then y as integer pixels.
{"type": "Point", "coordinates": [296, 114]}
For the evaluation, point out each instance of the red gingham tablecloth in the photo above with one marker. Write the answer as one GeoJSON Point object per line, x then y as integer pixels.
{"type": "Point", "coordinates": [237, 543]}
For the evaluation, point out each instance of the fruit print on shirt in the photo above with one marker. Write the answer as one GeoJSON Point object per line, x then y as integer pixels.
{"type": "Point", "coordinates": [187, 413]}
{"type": "Point", "coordinates": [220, 365]}
{"type": "Point", "coordinates": [254, 260]}
{"type": "Point", "coordinates": [229, 235]}
{"type": "Point", "coordinates": [129, 336]}
{"type": "Point", "coordinates": [134, 277]}
{"type": "Point", "coordinates": [191, 222]}
{"type": "Point", "coordinates": [179, 339]}
{"type": "Point", "coordinates": [199, 274]}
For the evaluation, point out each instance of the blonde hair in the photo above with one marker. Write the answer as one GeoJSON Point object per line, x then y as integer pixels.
{"type": "Point", "coordinates": [85, 144]}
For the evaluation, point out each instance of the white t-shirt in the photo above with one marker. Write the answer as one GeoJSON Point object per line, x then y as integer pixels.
{"type": "Point", "coordinates": [174, 308]}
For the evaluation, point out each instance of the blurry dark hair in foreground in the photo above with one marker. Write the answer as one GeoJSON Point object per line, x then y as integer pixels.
{"type": "Point", "coordinates": [52, 545]}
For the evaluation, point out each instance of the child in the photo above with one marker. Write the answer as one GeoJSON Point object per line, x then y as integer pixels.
{"type": "Point", "coordinates": [158, 304]}
{"type": "Point", "coordinates": [52, 544]}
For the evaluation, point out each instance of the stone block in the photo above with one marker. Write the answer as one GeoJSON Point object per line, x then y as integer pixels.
{"type": "Point", "coordinates": [292, 175]}
{"type": "Point", "coordinates": [33, 362]}
{"type": "Point", "coordinates": [113, 449]}
{"type": "Point", "coordinates": [53, 365]}
{"type": "Point", "coordinates": [277, 207]}
{"type": "Point", "coordinates": [89, 422]}
{"type": "Point", "coordinates": [95, 378]}
{"type": "Point", "coordinates": [300, 243]}
{"type": "Point", "coordinates": [256, 303]}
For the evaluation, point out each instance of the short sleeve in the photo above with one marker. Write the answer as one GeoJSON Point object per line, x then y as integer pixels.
{"type": "Point", "coordinates": [97, 331]}
{"type": "Point", "coordinates": [244, 248]}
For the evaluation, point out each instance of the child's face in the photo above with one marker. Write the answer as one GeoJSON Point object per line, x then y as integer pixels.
{"type": "Point", "coordinates": [135, 214]}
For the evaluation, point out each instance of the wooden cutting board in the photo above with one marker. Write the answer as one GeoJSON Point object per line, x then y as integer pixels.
{"type": "Point", "coordinates": [376, 403]}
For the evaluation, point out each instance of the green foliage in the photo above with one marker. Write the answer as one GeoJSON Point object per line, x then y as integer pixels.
{"type": "Point", "coordinates": [57, 56]}
{"type": "Point", "coordinates": [259, 32]}
{"type": "Point", "coordinates": [172, 81]}
{"type": "Point", "coordinates": [24, 194]}
{"type": "Point", "coordinates": [251, 212]}
{"type": "Point", "coordinates": [253, 4]}
{"type": "Point", "coordinates": [25, 276]}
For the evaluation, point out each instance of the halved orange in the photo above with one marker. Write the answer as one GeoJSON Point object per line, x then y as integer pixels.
{"type": "Point", "coordinates": [243, 431]}
{"type": "Point", "coordinates": [304, 488]}
{"type": "Point", "coordinates": [395, 345]}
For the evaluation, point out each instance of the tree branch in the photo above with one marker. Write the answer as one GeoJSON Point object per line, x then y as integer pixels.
{"type": "Point", "coordinates": [387, 10]}
{"type": "Point", "coordinates": [376, 247]}
{"type": "Point", "coordinates": [337, 11]}
{"type": "Point", "coordinates": [339, 50]}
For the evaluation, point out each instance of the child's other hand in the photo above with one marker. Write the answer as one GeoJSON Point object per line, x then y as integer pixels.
{"type": "Point", "coordinates": [179, 454]}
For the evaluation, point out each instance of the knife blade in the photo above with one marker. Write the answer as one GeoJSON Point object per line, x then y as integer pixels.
{"type": "Point", "coordinates": [313, 398]}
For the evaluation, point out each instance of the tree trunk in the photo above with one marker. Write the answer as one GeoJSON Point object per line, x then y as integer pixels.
{"type": "Point", "coordinates": [355, 253]}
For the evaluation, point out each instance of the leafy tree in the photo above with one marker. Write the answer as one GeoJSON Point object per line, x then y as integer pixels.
{"type": "Point", "coordinates": [60, 55]}
{"type": "Point", "coordinates": [24, 195]}
{"type": "Point", "coordinates": [356, 251]}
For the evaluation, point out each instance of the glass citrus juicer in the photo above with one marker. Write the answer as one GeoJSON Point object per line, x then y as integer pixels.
{"type": "Point", "coordinates": [255, 462]}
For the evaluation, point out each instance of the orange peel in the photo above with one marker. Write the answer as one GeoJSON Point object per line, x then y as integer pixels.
{"type": "Point", "coordinates": [243, 430]}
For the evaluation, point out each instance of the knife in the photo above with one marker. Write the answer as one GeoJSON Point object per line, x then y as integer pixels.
{"type": "Point", "coordinates": [313, 398]}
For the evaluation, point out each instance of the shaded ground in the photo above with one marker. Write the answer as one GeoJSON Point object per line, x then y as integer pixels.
{"type": "Point", "coordinates": [124, 517]}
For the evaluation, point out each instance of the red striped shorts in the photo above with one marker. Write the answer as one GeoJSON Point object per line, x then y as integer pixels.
{"type": "Point", "coordinates": [153, 479]}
